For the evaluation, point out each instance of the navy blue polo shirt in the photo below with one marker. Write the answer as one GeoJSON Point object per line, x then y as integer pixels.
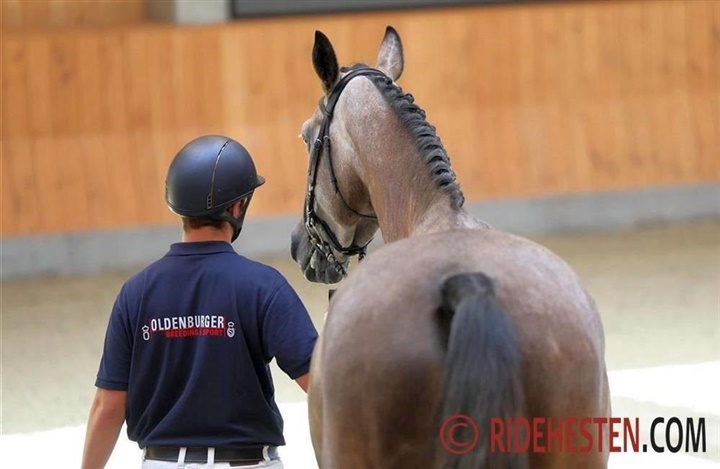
{"type": "Point", "coordinates": [190, 339]}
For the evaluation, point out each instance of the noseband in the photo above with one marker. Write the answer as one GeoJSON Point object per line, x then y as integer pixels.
{"type": "Point", "coordinates": [321, 236]}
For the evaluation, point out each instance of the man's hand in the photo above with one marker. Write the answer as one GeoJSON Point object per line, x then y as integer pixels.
{"type": "Point", "coordinates": [303, 381]}
{"type": "Point", "coordinates": [107, 415]}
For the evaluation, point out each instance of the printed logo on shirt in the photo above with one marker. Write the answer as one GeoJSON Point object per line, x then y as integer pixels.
{"type": "Point", "coordinates": [178, 327]}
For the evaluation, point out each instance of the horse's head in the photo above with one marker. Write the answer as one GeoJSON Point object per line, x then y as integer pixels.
{"type": "Point", "coordinates": [339, 220]}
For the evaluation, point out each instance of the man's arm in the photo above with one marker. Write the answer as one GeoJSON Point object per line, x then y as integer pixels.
{"type": "Point", "coordinates": [107, 415]}
{"type": "Point", "coordinates": [303, 381]}
{"type": "Point", "coordinates": [288, 334]}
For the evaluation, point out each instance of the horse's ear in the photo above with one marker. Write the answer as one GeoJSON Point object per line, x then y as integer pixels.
{"type": "Point", "coordinates": [324, 61]}
{"type": "Point", "coordinates": [390, 57]}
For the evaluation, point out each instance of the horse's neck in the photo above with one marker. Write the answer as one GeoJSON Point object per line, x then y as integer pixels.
{"type": "Point", "coordinates": [404, 195]}
{"type": "Point", "coordinates": [442, 217]}
{"type": "Point", "coordinates": [409, 204]}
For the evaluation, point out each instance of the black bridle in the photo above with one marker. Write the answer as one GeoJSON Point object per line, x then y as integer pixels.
{"type": "Point", "coordinates": [321, 236]}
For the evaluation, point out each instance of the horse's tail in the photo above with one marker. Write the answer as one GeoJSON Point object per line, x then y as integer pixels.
{"type": "Point", "coordinates": [482, 375]}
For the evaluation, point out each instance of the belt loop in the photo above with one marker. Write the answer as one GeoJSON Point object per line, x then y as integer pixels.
{"type": "Point", "coordinates": [266, 456]}
{"type": "Point", "coordinates": [181, 458]}
{"type": "Point", "coordinates": [144, 453]}
{"type": "Point", "coordinates": [211, 458]}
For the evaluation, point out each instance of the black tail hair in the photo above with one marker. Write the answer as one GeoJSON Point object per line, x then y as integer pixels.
{"type": "Point", "coordinates": [482, 374]}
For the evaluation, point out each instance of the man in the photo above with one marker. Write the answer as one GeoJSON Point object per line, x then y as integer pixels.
{"type": "Point", "coordinates": [190, 337]}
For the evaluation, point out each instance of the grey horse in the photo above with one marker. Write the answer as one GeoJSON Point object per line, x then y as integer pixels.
{"type": "Point", "coordinates": [451, 319]}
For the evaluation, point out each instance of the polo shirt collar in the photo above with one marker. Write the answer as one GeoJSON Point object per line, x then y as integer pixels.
{"type": "Point", "coordinates": [201, 247]}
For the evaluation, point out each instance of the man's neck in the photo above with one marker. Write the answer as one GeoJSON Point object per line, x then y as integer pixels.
{"type": "Point", "coordinates": [205, 234]}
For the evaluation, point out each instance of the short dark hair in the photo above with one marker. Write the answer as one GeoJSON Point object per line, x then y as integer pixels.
{"type": "Point", "coordinates": [193, 223]}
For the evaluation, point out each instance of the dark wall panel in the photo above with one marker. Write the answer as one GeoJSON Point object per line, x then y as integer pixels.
{"type": "Point", "coordinates": [249, 8]}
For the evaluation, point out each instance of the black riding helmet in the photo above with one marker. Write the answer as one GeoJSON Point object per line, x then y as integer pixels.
{"type": "Point", "coordinates": [207, 176]}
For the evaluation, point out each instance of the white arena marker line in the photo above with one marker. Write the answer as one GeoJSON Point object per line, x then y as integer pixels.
{"type": "Point", "coordinates": [658, 461]}
{"type": "Point", "coordinates": [63, 446]}
{"type": "Point", "coordinates": [298, 452]}
{"type": "Point", "coordinates": [694, 387]}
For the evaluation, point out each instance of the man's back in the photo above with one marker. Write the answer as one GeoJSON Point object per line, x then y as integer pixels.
{"type": "Point", "coordinates": [190, 339]}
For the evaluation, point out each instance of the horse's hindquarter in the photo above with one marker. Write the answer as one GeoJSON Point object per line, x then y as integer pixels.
{"type": "Point", "coordinates": [383, 352]}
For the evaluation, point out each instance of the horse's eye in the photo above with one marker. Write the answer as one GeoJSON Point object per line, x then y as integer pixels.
{"type": "Point", "coordinates": [305, 140]}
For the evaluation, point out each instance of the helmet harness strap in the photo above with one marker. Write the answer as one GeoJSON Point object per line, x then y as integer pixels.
{"type": "Point", "coordinates": [235, 222]}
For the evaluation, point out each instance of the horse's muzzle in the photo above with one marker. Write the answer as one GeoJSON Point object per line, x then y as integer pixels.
{"type": "Point", "coordinates": [314, 266]}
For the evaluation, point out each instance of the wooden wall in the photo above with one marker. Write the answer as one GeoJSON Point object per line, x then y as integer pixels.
{"type": "Point", "coordinates": [528, 99]}
{"type": "Point", "coordinates": [26, 14]}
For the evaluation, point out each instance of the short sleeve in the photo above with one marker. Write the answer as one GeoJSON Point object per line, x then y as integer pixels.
{"type": "Point", "coordinates": [114, 369]}
{"type": "Point", "coordinates": [288, 334]}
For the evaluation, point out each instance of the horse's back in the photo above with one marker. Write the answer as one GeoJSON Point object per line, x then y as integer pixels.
{"type": "Point", "coordinates": [383, 351]}
{"type": "Point", "coordinates": [401, 282]}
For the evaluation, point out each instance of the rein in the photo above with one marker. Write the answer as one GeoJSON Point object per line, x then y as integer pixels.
{"type": "Point", "coordinates": [319, 232]}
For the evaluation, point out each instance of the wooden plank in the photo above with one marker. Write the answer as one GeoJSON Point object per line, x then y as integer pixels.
{"type": "Point", "coordinates": [40, 119]}
{"type": "Point", "coordinates": [64, 86]}
{"type": "Point", "coordinates": [611, 150]}
{"type": "Point", "coordinates": [47, 181]}
{"type": "Point", "coordinates": [123, 196]}
{"type": "Point", "coordinates": [136, 91]}
{"type": "Point", "coordinates": [552, 88]}
{"type": "Point", "coordinates": [529, 99]}
{"type": "Point", "coordinates": [208, 91]}
{"type": "Point", "coordinates": [709, 94]}
{"type": "Point", "coordinates": [713, 172]}
{"type": "Point", "coordinates": [91, 142]}
{"type": "Point", "coordinates": [588, 96]}
{"type": "Point", "coordinates": [261, 137]}
{"type": "Point", "coordinates": [21, 214]}
{"type": "Point", "coordinates": [15, 120]}
{"type": "Point", "coordinates": [36, 14]}
{"type": "Point", "coordinates": [162, 144]}
{"type": "Point", "coordinates": [683, 160]}
{"type": "Point", "coordinates": [62, 159]}
{"type": "Point", "coordinates": [65, 173]}
{"type": "Point", "coordinates": [19, 14]}
{"type": "Point", "coordinates": [488, 110]}
{"type": "Point", "coordinates": [11, 13]}
{"type": "Point", "coordinates": [637, 70]}
{"type": "Point", "coordinates": [574, 83]}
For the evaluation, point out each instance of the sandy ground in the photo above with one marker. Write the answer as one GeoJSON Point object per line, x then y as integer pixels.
{"type": "Point", "coordinates": [657, 288]}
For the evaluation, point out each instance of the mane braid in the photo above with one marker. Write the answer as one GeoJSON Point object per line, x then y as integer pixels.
{"type": "Point", "coordinates": [426, 140]}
